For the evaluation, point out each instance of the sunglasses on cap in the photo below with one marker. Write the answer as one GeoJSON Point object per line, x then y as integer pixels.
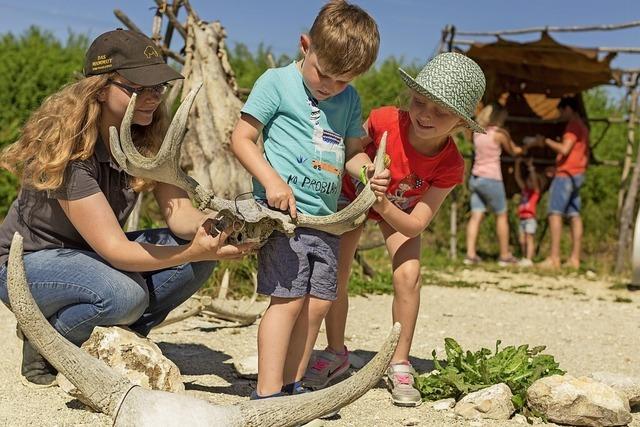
{"type": "Point", "coordinates": [157, 90]}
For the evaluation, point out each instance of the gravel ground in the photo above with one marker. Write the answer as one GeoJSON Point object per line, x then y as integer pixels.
{"type": "Point", "coordinates": [586, 325]}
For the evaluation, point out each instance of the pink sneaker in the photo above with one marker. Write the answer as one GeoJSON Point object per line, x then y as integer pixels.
{"type": "Point", "coordinates": [326, 366]}
{"type": "Point", "coordinates": [401, 384]}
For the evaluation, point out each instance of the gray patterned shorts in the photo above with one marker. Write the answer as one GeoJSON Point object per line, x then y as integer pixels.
{"type": "Point", "coordinates": [306, 263]}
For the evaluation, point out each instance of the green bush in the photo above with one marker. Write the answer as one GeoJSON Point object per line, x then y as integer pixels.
{"type": "Point", "coordinates": [466, 372]}
{"type": "Point", "coordinates": [33, 66]}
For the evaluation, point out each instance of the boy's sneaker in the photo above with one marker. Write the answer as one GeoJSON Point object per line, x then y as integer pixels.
{"type": "Point", "coordinates": [327, 366]}
{"type": "Point", "coordinates": [255, 396]}
{"type": "Point", "coordinates": [401, 382]}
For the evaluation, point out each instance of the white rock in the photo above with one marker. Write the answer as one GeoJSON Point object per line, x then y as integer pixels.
{"type": "Point", "coordinates": [582, 401]}
{"type": "Point", "coordinates": [492, 402]}
{"type": "Point", "coordinates": [520, 419]}
{"type": "Point", "coordinates": [136, 357]}
{"type": "Point", "coordinates": [443, 404]}
{"type": "Point", "coordinates": [627, 385]}
{"type": "Point", "coordinates": [247, 367]}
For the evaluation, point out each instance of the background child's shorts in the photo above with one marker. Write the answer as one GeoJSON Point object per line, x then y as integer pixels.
{"type": "Point", "coordinates": [487, 192]}
{"type": "Point", "coordinates": [528, 226]}
{"type": "Point", "coordinates": [306, 263]}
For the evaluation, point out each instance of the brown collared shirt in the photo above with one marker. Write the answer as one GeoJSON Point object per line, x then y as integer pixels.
{"type": "Point", "coordinates": [38, 217]}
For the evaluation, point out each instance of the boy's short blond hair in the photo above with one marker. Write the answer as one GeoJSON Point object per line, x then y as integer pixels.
{"type": "Point", "coordinates": [345, 39]}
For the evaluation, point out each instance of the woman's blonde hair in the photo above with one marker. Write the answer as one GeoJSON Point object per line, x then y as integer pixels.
{"type": "Point", "coordinates": [494, 114]}
{"type": "Point", "coordinates": [65, 128]}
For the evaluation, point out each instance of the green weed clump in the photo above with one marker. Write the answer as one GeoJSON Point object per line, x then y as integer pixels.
{"type": "Point", "coordinates": [466, 372]}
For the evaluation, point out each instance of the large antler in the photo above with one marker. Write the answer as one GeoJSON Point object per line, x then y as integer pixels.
{"type": "Point", "coordinates": [252, 222]}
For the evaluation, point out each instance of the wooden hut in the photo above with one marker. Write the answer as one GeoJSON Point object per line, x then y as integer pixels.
{"type": "Point", "coordinates": [529, 78]}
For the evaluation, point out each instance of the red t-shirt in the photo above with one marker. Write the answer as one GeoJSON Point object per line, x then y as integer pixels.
{"type": "Point", "coordinates": [412, 173]}
{"type": "Point", "coordinates": [575, 162]}
{"type": "Point", "coordinates": [528, 203]}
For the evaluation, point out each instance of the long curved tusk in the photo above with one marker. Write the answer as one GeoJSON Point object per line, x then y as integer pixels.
{"type": "Point", "coordinates": [129, 405]}
{"type": "Point", "coordinates": [302, 408]}
{"type": "Point", "coordinates": [103, 387]}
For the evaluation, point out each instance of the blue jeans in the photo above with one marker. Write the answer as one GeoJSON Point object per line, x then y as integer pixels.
{"type": "Point", "coordinates": [77, 290]}
{"type": "Point", "coordinates": [487, 192]}
{"type": "Point", "coordinates": [564, 195]}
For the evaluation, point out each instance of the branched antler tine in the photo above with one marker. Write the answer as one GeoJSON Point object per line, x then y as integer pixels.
{"type": "Point", "coordinates": [175, 134]}
{"type": "Point", "coordinates": [165, 166]}
{"type": "Point", "coordinates": [170, 148]}
{"type": "Point", "coordinates": [116, 149]}
{"type": "Point", "coordinates": [126, 142]}
{"type": "Point", "coordinates": [378, 162]}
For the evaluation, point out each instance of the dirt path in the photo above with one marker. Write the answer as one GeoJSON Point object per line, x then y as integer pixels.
{"type": "Point", "coordinates": [576, 317]}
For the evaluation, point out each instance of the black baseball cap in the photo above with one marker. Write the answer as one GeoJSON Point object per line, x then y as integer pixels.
{"type": "Point", "coordinates": [132, 55]}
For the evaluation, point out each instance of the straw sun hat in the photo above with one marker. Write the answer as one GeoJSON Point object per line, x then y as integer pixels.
{"type": "Point", "coordinates": [453, 81]}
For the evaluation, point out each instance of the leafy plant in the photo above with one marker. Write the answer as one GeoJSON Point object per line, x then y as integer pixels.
{"type": "Point", "coordinates": [466, 372]}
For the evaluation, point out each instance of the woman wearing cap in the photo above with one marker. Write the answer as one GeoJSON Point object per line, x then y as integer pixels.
{"type": "Point", "coordinates": [425, 166]}
{"type": "Point", "coordinates": [83, 270]}
{"type": "Point", "coordinates": [487, 188]}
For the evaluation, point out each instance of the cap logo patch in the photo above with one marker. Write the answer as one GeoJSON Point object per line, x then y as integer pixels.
{"type": "Point", "coordinates": [101, 63]}
{"type": "Point", "coordinates": [149, 51]}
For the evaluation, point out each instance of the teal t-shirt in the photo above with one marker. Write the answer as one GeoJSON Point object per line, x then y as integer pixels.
{"type": "Point", "coordinates": [303, 137]}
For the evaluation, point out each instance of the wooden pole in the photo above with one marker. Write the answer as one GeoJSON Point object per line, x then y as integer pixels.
{"type": "Point", "coordinates": [172, 18]}
{"type": "Point", "coordinates": [446, 45]}
{"type": "Point", "coordinates": [443, 38]}
{"type": "Point", "coordinates": [626, 216]}
{"type": "Point", "coordinates": [453, 226]}
{"type": "Point", "coordinates": [156, 26]}
{"type": "Point", "coordinates": [626, 167]}
{"type": "Point", "coordinates": [168, 34]}
{"type": "Point", "coordinates": [190, 10]}
{"type": "Point", "coordinates": [554, 29]}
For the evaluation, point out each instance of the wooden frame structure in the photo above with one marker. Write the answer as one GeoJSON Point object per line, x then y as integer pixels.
{"type": "Point", "coordinates": [628, 78]}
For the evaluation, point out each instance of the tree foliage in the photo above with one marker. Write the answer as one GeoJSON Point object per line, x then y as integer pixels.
{"type": "Point", "coordinates": [248, 66]}
{"type": "Point", "coordinates": [32, 66]}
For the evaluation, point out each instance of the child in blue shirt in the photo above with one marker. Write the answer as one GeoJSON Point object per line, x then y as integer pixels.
{"type": "Point", "coordinates": [310, 120]}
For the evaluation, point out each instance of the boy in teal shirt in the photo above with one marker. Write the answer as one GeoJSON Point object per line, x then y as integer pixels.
{"type": "Point", "coordinates": [310, 120]}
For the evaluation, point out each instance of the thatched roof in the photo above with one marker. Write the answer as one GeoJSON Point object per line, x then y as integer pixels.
{"type": "Point", "coordinates": [543, 66]}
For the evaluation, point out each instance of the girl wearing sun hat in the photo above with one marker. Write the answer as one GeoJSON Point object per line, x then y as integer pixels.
{"type": "Point", "coordinates": [425, 166]}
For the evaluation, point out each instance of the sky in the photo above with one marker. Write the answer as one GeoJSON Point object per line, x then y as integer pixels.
{"type": "Point", "coordinates": [409, 29]}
